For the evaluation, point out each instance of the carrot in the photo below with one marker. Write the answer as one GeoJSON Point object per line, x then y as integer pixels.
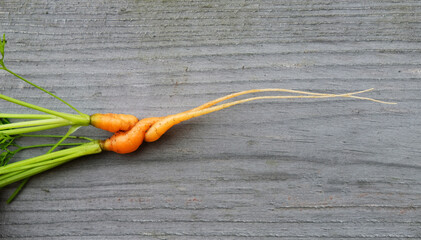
{"type": "Point", "coordinates": [128, 141]}
{"type": "Point", "coordinates": [129, 131]}
{"type": "Point", "coordinates": [113, 122]}
{"type": "Point", "coordinates": [151, 129]}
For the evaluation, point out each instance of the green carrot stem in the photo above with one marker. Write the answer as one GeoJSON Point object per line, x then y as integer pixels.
{"type": "Point", "coordinates": [26, 116]}
{"type": "Point", "coordinates": [17, 191]}
{"type": "Point", "coordinates": [40, 88]}
{"type": "Point", "coordinates": [82, 119]}
{"type": "Point", "coordinates": [49, 160]}
{"type": "Point", "coordinates": [42, 163]}
{"type": "Point", "coordinates": [49, 145]}
{"type": "Point", "coordinates": [33, 129]}
{"type": "Point", "coordinates": [33, 123]}
{"type": "Point", "coordinates": [46, 145]}
{"type": "Point", "coordinates": [29, 173]}
{"type": "Point", "coordinates": [56, 136]}
{"type": "Point", "coordinates": [9, 175]}
{"type": "Point", "coordinates": [87, 147]}
{"type": "Point", "coordinates": [71, 130]}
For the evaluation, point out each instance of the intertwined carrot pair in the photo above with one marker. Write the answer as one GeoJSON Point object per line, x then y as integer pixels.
{"type": "Point", "coordinates": [131, 132]}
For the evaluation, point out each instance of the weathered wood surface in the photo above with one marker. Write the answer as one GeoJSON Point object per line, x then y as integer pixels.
{"type": "Point", "coordinates": [319, 169]}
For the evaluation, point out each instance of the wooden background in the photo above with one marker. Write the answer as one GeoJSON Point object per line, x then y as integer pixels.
{"type": "Point", "coordinates": [319, 169]}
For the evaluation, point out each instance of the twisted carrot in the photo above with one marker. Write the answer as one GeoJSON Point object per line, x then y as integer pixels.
{"type": "Point", "coordinates": [130, 132]}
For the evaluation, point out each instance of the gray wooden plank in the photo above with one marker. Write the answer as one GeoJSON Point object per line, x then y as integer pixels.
{"type": "Point", "coordinates": [302, 169]}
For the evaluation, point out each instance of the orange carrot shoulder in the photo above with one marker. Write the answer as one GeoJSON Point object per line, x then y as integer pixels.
{"type": "Point", "coordinates": [113, 122]}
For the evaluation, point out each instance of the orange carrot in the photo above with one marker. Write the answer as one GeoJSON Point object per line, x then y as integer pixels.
{"type": "Point", "coordinates": [113, 122]}
{"type": "Point", "coordinates": [128, 139]}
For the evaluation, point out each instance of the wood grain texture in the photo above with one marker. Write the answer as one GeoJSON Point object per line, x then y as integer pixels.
{"type": "Point", "coordinates": [319, 169]}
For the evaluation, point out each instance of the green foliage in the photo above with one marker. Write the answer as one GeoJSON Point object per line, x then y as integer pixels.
{"type": "Point", "coordinates": [29, 167]}
{"type": "Point", "coordinates": [10, 132]}
{"type": "Point", "coordinates": [6, 142]}
{"type": "Point", "coordinates": [23, 169]}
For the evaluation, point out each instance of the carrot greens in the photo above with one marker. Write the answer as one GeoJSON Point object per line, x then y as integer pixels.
{"type": "Point", "coordinates": [22, 170]}
{"type": "Point", "coordinates": [9, 132]}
